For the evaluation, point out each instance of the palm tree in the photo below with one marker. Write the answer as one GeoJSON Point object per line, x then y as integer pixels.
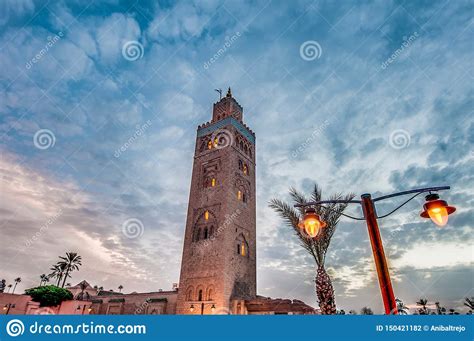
{"type": "Point", "coordinates": [17, 280]}
{"type": "Point", "coordinates": [439, 309]}
{"type": "Point", "coordinates": [44, 279]}
{"type": "Point", "coordinates": [469, 302]}
{"type": "Point", "coordinates": [366, 311]}
{"type": "Point", "coordinates": [9, 286]}
{"type": "Point", "coordinates": [83, 295]}
{"type": "Point", "coordinates": [453, 312]}
{"type": "Point", "coordinates": [120, 287]}
{"type": "Point", "coordinates": [57, 272]}
{"type": "Point", "coordinates": [401, 307]}
{"type": "Point", "coordinates": [352, 312]}
{"type": "Point", "coordinates": [71, 262]}
{"type": "Point", "coordinates": [423, 302]}
{"type": "Point", "coordinates": [318, 246]}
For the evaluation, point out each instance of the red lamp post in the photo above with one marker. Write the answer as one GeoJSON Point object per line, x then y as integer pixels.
{"type": "Point", "coordinates": [434, 208]}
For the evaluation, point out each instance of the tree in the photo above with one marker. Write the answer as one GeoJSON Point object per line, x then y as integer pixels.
{"type": "Point", "coordinates": [318, 246]}
{"type": "Point", "coordinates": [469, 302]}
{"type": "Point", "coordinates": [43, 279]}
{"type": "Point", "coordinates": [17, 280]}
{"type": "Point", "coordinates": [2, 285]}
{"type": "Point", "coordinates": [9, 286]}
{"type": "Point", "coordinates": [57, 272]}
{"type": "Point", "coordinates": [70, 263]}
{"type": "Point", "coordinates": [352, 312]}
{"type": "Point", "coordinates": [83, 295]}
{"type": "Point", "coordinates": [439, 309]}
{"type": "Point", "coordinates": [423, 302]}
{"type": "Point", "coordinates": [49, 295]}
{"type": "Point", "coordinates": [366, 311]}
{"type": "Point", "coordinates": [453, 312]}
{"type": "Point", "coordinates": [401, 307]}
{"type": "Point", "coordinates": [120, 287]}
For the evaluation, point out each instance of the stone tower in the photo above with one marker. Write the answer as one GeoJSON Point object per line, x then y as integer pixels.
{"type": "Point", "coordinates": [218, 269]}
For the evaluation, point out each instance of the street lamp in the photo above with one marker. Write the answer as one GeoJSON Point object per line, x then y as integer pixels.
{"type": "Point", "coordinates": [434, 208]}
{"type": "Point", "coordinates": [213, 308]}
{"type": "Point", "coordinates": [7, 307]}
{"type": "Point", "coordinates": [83, 308]}
{"type": "Point", "coordinates": [312, 223]}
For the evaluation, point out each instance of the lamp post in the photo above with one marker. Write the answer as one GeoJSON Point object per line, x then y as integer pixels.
{"type": "Point", "coordinates": [213, 307]}
{"type": "Point", "coordinates": [7, 307]}
{"type": "Point", "coordinates": [83, 308]}
{"type": "Point", "coordinates": [434, 208]}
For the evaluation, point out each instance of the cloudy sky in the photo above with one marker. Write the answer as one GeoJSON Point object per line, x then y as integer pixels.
{"type": "Point", "coordinates": [99, 106]}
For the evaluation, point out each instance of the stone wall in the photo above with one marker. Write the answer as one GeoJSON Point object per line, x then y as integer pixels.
{"type": "Point", "coordinates": [152, 303]}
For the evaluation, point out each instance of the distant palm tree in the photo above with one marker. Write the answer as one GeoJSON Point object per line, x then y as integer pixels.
{"type": "Point", "coordinates": [83, 295]}
{"type": "Point", "coordinates": [9, 286]}
{"type": "Point", "coordinates": [352, 312]}
{"type": "Point", "coordinates": [469, 302]}
{"type": "Point", "coordinates": [57, 272]}
{"type": "Point", "coordinates": [318, 246]}
{"type": "Point", "coordinates": [401, 307]}
{"type": "Point", "coordinates": [71, 262]}
{"type": "Point", "coordinates": [120, 287]}
{"type": "Point", "coordinates": [44, 279]}
{"type": "Point", "coordinates": [423, 302]}
{"type": "Point", "coordinates": [453, 312]}
{"type": "Point", "coordinates": [366, 311]}
{"type": "Point", "coordinates": [439, 309]}
{"type": "Point", "coordinates": [17, 280]}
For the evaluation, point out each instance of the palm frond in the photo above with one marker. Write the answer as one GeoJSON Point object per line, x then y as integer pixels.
{"type": "Point", "coordinates": [330, 213]}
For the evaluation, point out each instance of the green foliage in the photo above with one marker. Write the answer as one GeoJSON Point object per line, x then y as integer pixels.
{"type": "Point", "coordinates": [49, 295]}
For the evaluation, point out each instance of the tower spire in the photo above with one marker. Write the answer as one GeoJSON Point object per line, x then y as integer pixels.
{"type": "Point", "coordinates": [229, 93]}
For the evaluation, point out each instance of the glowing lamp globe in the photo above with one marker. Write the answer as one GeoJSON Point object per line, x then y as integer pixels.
{"type": "Point", "coordinates": [437, 210]}
{"type": "Point", "coordinates": [312, 223]}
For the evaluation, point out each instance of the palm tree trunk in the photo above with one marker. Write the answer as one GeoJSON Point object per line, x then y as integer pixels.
{"type": "Point", "coordinates": [325, 292]}
{"type": "Point", "coordinates": [14, 287]}
{"type": "Point", "coordinates": [65, 278]}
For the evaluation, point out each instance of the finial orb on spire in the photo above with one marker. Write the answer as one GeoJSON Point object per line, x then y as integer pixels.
{"type": "Point", "coordinates": [229, 93]}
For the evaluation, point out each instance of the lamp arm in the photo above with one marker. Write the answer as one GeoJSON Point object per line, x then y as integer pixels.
{"type": "Point", "coordinates": [320, 204]}
{"type": "Point", "coordinates": [315, 203]}
{"type": "Point", "coordinates": [418, 190]}
{"type": "Point", "coordinates": [396, 209]}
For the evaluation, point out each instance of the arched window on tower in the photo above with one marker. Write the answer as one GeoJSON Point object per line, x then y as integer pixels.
{"type": "Point", "coordinates": [209, 144]}
{"type": "Point", "coordinates": [206, 233]}
{"type": "Point", "coordinates": [241, 165]}
{"type": "Point", "coordinates": [189, 294]}
{"type": "Point", "coordinates": [245, 169]}
{"type": "Point", "coordinates": [241, 145]}
{"type": "Point", "coordinates": [197, 235]}
{"type": "Point", "coordinates": [200, 295]}
{"type": "Point", "coordinates": [242, 246]}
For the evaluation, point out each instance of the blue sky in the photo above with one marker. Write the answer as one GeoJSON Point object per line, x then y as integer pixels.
{"type": "Point", "coordinates": [384, 104]}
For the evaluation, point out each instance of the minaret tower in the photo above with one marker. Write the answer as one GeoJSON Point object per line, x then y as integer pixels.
{"type": "Point", "coordinates": [218, 269]}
